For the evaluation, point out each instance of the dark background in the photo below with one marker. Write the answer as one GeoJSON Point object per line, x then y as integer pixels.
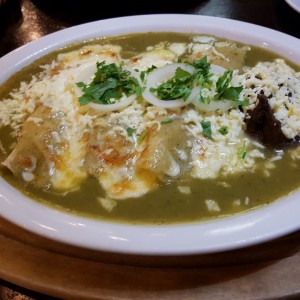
{"type": "Point", "coordinates": [22, 21]}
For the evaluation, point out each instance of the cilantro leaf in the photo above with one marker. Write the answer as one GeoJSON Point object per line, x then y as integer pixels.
{"type": "Point", "coordinates": [110, 82]}
{"type": "Point", "coordinates": [85, 99]}
{"type": "Point", "coordinates": [232, 93]}
{"type": "Point", "coordinates": [179, 86]}
{"type": "Point", "coordinates": [142, 136]}
{"type": "Point", "coordinates": [142, 75]}
{"type": "Point", "coordinates": [206, 128]}
{"type": "Point", "coordinates": [227, 92]}
{"type": "Point", "coordinates": [224, 81]}
{"type": "Point", "coordinates": [166, 121]}
{"type": "Point", "coordinates": [182, 83]}
{"type": "Point", "coordinates": [244, 102]}
{"type": "Point", "coordinates": [139, 91]}
{"type": "Point", "coordinates": [223, 130]}
{"type": "Point", "coordinates": [202, 73]}
{"type": "Point", "coordinates": [182, 75]}
{"type": "Point", "coordinates": [243, 151]}
{"type": "Point", "coordinates": [130, 131]}
{"type": "Point", "coordinates": [149, 70]}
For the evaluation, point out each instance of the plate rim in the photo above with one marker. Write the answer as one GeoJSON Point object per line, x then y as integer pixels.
{"type": "Point", "coordinates": [147, 240]}
{"type": "Point", "coordinates": [293, 4]}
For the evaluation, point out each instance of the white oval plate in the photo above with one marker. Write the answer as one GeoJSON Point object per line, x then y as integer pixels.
{"type": "Point", "coordinates": [228, 233]}
{"type": "Point", "coordinates": [295, 4]}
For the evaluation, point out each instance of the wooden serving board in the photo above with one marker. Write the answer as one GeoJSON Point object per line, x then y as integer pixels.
{"type": "Point", "coordinates": [270, 270]}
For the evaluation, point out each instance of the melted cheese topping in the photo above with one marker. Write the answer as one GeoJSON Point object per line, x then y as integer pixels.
{"type": "Point", "coordinates": [83, 142]}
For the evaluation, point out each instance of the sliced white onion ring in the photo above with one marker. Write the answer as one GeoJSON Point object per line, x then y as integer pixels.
{"type": "Point", "coordinates": [86, 76]}
{"type": "Point", "coordinates": [122, 103]}
{"type": "Point", "coordinates": [135, 74]}
{"type": "Point", "coordinates": [214, 105]}
{"type": "Point", "coordinates": [162, 74]}
{"type": "Point", "coordinates": [217, 70]}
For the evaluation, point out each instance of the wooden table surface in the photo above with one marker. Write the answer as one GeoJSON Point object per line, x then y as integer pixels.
{"type": "Point", "coordinates": [35, 268]}
{"type": "Point", "coordinates": [267, 271]}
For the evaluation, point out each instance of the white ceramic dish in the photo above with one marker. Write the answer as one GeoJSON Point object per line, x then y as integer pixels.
{"type": "Point", "coordinates": [295, 4]}
{"type": "Point", "coordinates": [228, 233]}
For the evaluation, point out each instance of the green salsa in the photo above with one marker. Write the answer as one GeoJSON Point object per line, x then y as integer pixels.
{"type": "Point", "coordinates": [234, 194]}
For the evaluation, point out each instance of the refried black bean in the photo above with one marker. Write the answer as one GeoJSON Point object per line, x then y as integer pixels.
{"type": "Point", "coordinates": [264, 127]}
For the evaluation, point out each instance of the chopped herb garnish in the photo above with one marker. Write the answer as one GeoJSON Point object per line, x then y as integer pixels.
{"type": "Point", "coordinates": [202, 71]}
{"type": "Point", "coordinates": [243, 152]}
{"type": "Point", "coordinates": [206, 128]}
{"type": "Point", "coordinates": [110, 82]}
{"type": "Point", "coordinates": [241, 102]}
{"type": "Point", "coordinates": [204, 99]}
{"type": "Point", "coordinates": [139, 91]}
{"type": "Point", "coordinates": [149, 70]}
{"type": "Point", "coordinates": [182, 83]}
{"type": "Point", "coordinates": [142, 75]}
{"type": "Point", "coordinates": [130, 131]}
{"type": "Point", "coordinates": [227, 92]}
{"type": "Point", "coordinates": [166, 121]}
{"type": "Point", "coordinates": [179, 86]}
{"type": "Point", "coordinates": [142, 136]}
{"type": "Point", "coordinates": [223, 130]}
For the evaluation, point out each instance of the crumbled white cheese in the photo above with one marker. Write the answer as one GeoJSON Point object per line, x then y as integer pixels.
{"type": "Point", "coordinates": [212, 205]}
{"type": "Point", "coordinates": [107, 204]}
{"type": "Point", "coordinates": [204, 39]}
{"type": "Point", "coordinates": [125, 176]}
{"type": "Point", "coordinates": [28, 176]}
{"type": "Point", "coordinates": [281, 84]}
{"type": "Point", "coordinates": [178, 48]}
{"type": "Point", "coordinates": [184, 189]}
